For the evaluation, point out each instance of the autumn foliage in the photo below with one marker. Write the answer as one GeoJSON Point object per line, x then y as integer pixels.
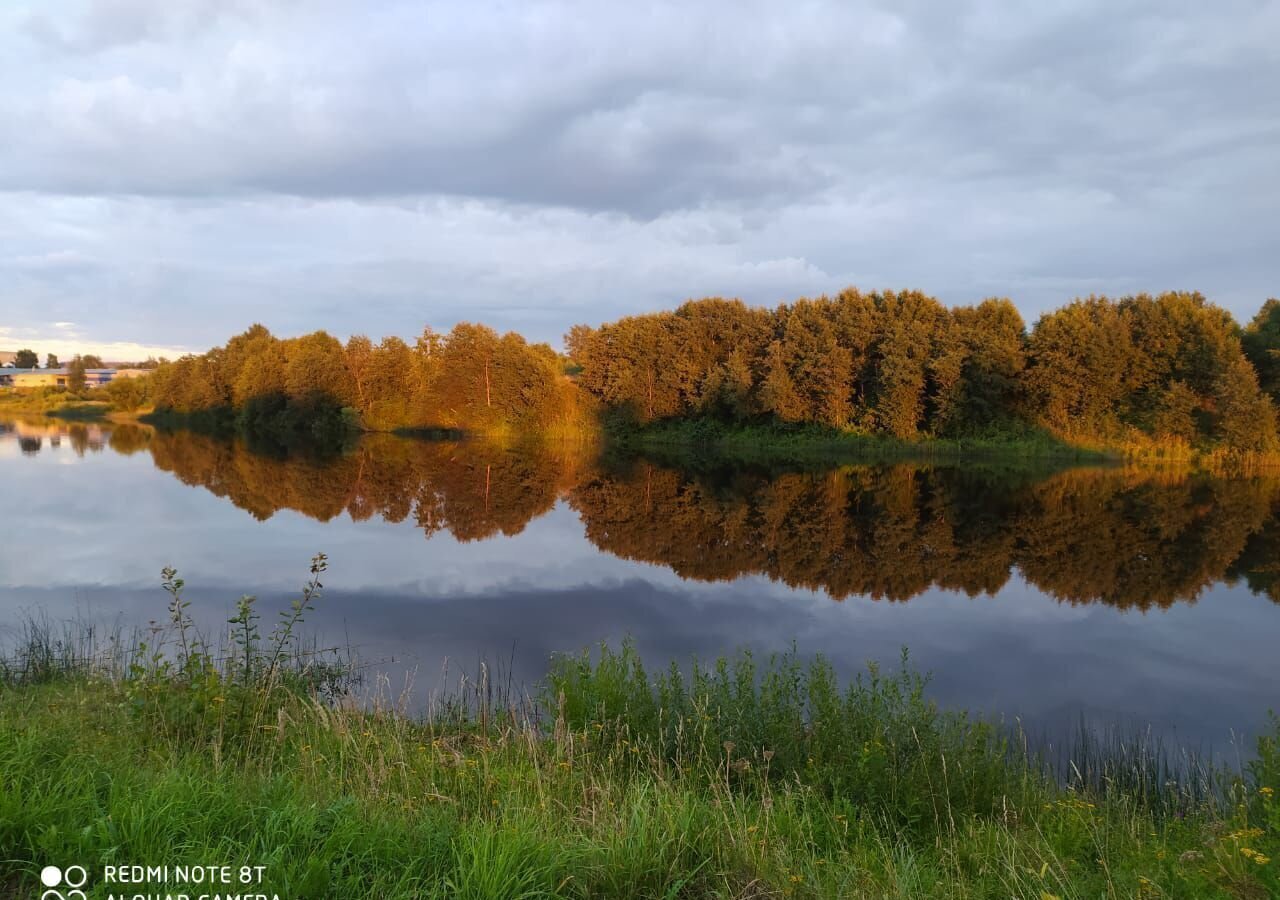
{"type": "Point", "coordinates": [1171, 371]}
{"type": "Point", "coordinates": [469, 380]}
{"type": "Point", "coordinates": [1170, 368]}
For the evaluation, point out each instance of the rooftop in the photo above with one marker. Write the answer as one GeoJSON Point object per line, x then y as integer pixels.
{"type": "Point", "coordinates": [10, 371]}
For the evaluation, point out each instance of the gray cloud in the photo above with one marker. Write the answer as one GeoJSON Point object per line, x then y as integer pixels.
{"type": "Point", "coordinates": [377, 166]}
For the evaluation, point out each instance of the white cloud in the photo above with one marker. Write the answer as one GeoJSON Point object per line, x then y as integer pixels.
{"type": "Point", "coordinates": [174, 171]}
{"type": "Point", "coordinates": [66, 347]}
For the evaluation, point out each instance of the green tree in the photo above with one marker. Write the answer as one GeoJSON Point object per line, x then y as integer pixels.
{"type": "Point", "coordinates": [1246, 417]}
{"type": "Point", "coordinates": [316, 372]}
{"type": "Point", "coordinates": [1262, 345]}
{"type": "Point", "coordinates": [26, 359]}
{"type": "Point", "coordinates": [1175, 414]}
{"type": "Point", "coordinates": [390, 387]}
{"type": "Point", "coordinates": [907, 356]}
{"type": "Point", "coordinates": [129, 394]}
{"type": "Point", "coordinates": [92, 361]}
{"type": "Point", "coordinates": [819, 369]}
{"type": "Point", "coordinates": [1080, 366]}
{"type": "Point", "coordinates": [51, 361]}
{"type": "Point", "coordinates": [994, 339]}
{"type": "Point", "coordinates": [778, 394]}
{"type": "Point", "coordinates": [76, 374]}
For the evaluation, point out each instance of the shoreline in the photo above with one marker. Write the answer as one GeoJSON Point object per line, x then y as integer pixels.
{"type": "Point", "coordinates": [740, 778]}
{"type": "Point", "coordinates": [700, 443]}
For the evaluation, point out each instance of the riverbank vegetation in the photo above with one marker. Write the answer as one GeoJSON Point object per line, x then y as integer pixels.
{"type": "Point", "coordinates": [57, 403]}
{"type": "Point", "coordinates": [126, 396]}
{"type": "Point", "coordinates": [741, 779]}
{"type": "Point", "coordinates": [1168, 378]}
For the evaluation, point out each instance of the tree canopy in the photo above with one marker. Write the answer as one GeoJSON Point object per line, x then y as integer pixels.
{"type": "Point", "coordinates": [1172, 369]}
{"type": "Point", "coordinates": [1165, 368]}
{"type": "Point", "coordinates": [471, 379]}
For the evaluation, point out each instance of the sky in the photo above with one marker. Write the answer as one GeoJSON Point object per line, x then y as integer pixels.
{"type": "Point", "coordinates": [171, 172]}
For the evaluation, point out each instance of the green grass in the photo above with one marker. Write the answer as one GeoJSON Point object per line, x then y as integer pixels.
{"type": "Point", "coordinates": [52, 402]}
{"type": "Point", "coordinates": [707, 442]}
{"type": "Point", "coordinates": [809, 444]}
{"type": "Point", "coordinates": [741, 779]}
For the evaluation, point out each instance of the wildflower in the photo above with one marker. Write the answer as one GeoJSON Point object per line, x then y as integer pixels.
{"type": "Point", "coordinates": [1260, 859]}
{"type": "Point", "coordinates": [1265, 791]}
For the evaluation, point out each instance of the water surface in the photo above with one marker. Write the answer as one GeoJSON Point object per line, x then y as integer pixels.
{"type": "Point", "coordinates": [1109, 595]}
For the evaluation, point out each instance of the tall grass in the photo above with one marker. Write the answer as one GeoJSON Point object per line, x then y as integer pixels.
{"type": "Point", "coordinates": [742, 778]}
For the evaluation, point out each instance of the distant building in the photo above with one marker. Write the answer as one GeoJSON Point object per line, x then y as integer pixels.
{"type": "Point", "coordinates": [32, 378]}
{"type": "Point", "coordinates": [8, 358]}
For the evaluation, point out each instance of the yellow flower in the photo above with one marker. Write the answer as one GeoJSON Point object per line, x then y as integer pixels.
{"type": "Point", "coordinates": [1265, 791]}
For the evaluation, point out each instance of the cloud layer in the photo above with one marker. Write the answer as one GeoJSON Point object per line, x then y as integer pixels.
{"type": "Point", "coordinates": [171, 172]}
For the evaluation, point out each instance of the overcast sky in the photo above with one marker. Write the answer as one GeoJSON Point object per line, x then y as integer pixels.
{"type": "Point", "coordinates": [173, 170]}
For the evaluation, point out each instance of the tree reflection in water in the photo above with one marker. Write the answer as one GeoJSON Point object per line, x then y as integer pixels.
{"type": "Point", "coordinates": [1126, 537]}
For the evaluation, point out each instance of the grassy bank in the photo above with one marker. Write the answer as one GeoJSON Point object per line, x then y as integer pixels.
{"type": "Point", "coordinates": [62, 404]}
{"type": "Point", "coordinates": [736, 780]}
{"type": "Point", "coordinates": [692, 439]}
{"type": "Point", "coordinates": [804, 444]}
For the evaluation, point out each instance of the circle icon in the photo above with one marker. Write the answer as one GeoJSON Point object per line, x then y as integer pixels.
{"type": "Point", "coordinates": [50, 876]}
{"type": "Point", "coordinates": [76, 876]}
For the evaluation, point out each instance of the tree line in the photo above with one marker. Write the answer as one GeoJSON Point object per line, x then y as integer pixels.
{"type": "Point", "coordinates": [1172, 368]}
{"type": "Point", "coordinates": [471, 379]}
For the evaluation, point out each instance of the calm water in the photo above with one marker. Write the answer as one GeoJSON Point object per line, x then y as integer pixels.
{"type": "Point", "coordinates": [1109, 595]}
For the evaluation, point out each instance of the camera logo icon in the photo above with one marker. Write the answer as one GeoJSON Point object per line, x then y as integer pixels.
{"type": "Point", "coordinates": [55, 880]}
